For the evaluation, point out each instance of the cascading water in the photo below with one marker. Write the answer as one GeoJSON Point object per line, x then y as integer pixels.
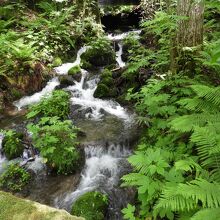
{"type": "Point", "coordinates": [51, 85]}
{"type": "Point", "coordinates": [118, 37]}
{"type": "Point", "coordinates": [83, 95]}
{"type": "Point", "coordinates": [64, 68]}
{"type": "Point", "coordinates": [119, 60]}
{"type": "Point", "coordinates": [106, 162]}
{"type": "Point", "coordinates": [2, 157]}
{"type": "Point", "coordinates": [103, 168]}
{"type": "Point", "coordinates": [36, 97]}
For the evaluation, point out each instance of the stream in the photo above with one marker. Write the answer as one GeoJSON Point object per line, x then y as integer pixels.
{"type": "Point", "coordinates": [111, 133]}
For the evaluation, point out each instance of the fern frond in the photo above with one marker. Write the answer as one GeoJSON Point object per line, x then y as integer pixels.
{"type": "Point", "coordinates": [207, 214]}
{"type": "Point", "coordinates": [185, 197]}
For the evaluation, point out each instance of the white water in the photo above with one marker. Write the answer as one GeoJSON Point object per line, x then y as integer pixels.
{"type": "Point", "coordinates": [83, 95]}
{"type": "Point", "coordinates": [119, 53]}
{"type": "Point", "coordinates": [64, 68]}
{"type": "Point", "coordinates": [102, 170]}
{"type": "Point", "coordinates": [118, 37]}
{"type": "Point", "coordinates": [2, 157]}
{"type": "Point", "coordinates": [36, 97]}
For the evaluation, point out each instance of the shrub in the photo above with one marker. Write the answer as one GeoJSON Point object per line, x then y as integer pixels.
{"type": "Point", "coordinates": [56, 105]}
{"type": "Point", "coordinates": [56, 141]}
{"type": "Point", "coordinates": [12, 145]}
{"type": "Point", "coordinates": [14, 178]}
{"type": "Point", "coordinates": [91, 206]}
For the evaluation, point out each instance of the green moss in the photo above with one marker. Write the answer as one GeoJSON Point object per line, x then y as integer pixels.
{"type": "Point", "coordinates": [13, 208]}
{"type": "Point", "coordinates": [74, 70]}
{"type": "Point", "coordinates": [91, 206]}
{"type": "Point", "coordinates": [57, 62]}
{"type": "Point", "coordinates": [12, 145]}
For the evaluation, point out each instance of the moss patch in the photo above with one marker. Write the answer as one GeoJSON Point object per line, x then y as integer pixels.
{"type": "Point", "coordinates": [57, 62]}
{"type": "Point", "coordinates": [91, 206]}
{"type": "Point", "coordinates": [74, 70]}
{"type": "Point", "coordinates": [13, 208]}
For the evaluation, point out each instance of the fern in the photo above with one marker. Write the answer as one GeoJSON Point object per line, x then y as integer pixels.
{"type": "Point", "coordinates": [204, 214]}
{"type": "Point", "coordinates": [185, 197]}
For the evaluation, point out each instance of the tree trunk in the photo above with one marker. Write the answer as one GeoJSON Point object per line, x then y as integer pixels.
{"type": "Point", "coordinates": [189, 31]}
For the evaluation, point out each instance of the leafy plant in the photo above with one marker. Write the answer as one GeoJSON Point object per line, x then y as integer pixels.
{"type": "Point", "coordinates": [12, 144]}
{"type": "Point", "coordinates": [55, 105]}
{"type": "Point", "coordinates": [176, 167]}
{"type": "Point", "coordinates": [56, 141]}
{"type": "Point", "coordinates": [14, 178]}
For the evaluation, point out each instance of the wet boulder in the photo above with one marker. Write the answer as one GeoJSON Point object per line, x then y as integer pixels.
{"type": "Point", "coordinates": [65, 81]}
{"type": "Point", "coordinates": [75, 72]}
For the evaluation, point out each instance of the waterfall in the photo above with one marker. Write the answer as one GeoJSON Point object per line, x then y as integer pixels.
{"type": "Point", "coordinates": [2, 157]}
{"type": "Point", "coordinates": [119, 53]}
{"type": "Point", "coordinates": [36, 97]}
{"type": "Point", "coordinates": [51, 85]}
{"type": "Point", "coordinates": [64, 68]}
{"type": "Point", "coordinates": [83, 95]}
{"type": "Point", "coordinates": [102, 171]}
{"type": "Point", "coordinates": [118, 37]}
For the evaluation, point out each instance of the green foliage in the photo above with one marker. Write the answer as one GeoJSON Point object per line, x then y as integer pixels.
{"type": "Point", "coordinates": [14, 178]}
{"type": "Point", "coordinates": [55, 105]}
{"type": "Point", "coordinates": [91, 206]}
{"type": "Point", "coordinates": [12, 144]}
{"type": "Point", "coordinates": [56, 141]}
{"type": "Point", "coordinates": [176, 168]}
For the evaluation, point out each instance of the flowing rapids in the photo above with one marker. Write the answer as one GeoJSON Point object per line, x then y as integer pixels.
{"type": "Point", "coordinates": [63, 69]}
{"type": "Point", "coordinates": [2, 157]}
{"type": "Point", "coordinates": [119, 60]}
{"type": "Point", "coordinates": [105, 159]}
{"type": "Point", "coordinates": [82, 94]}
{"type": "Point", "coordinates": [51, 85]}
{"type": "Point", "coordinates": [36, 97]}
{"type": "Point", "coordinates": [103, 168]}
{"type": "Point", "coordinates": [119, 37]}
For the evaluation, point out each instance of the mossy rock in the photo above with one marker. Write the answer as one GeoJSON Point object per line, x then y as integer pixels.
{"type": "Point", "coordinates": [14, 208]}
{"type": "Point", "coordinates": [100, 53]}
{"type": "Point", "coordinates": [57, 62]}
{"type": "Point", "coordinates": [91, 206]}
{"type": "Point", "coordinates": [12, 145]}
{"type": "Point", "coordinates": [101, 91]}
{"type": "Point", "coordinates": [74, 70]}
